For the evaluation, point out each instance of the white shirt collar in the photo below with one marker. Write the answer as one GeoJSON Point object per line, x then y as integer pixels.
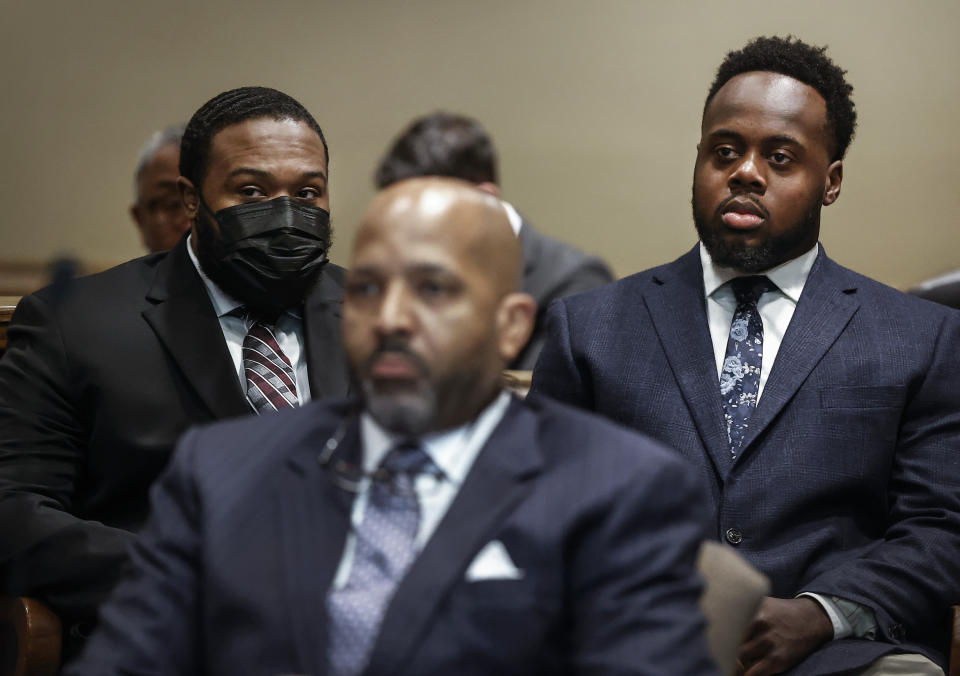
{"type": "Point", "coordinates": [453, 451]}
{"type": "Point", "coordinates": [789, 277]}
{"type": "Point", "coordinates": [223, 304]}
{"type": "Point", "coordinates": [516, 221]}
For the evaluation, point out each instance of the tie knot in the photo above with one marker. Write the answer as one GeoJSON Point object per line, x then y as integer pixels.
{"type": "Point", "coordinates": [748, 290]}
{"type": "Point", "coordinates": [406, 458]}
{"type": "Point", "coordinates": [248, 315]}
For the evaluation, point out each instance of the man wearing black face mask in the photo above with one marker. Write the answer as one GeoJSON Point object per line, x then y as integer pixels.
{"type": "Point", "coordinates": [102, 376]}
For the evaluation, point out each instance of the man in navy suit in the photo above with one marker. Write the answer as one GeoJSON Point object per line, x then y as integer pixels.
{"type": "Point", "coordinates": [437, 526]}
{"type": "Point", "coordinates": [822, 408]}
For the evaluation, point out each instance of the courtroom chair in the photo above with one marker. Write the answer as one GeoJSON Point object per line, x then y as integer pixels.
{"type": "Point", "coordinates": [30, 638]}
{"type": "Point", "coordinates": [7, 305]}
{"type": "Point", "coordinates": [955, 642]}
{"type": "Point", "coordinates": [518, 382]}
{"type": "Point", "coordinates": [733, 593]}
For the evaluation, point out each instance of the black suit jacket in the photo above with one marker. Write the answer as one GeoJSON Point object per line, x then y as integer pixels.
{"type": "Point", "coordinates": [232, 572]}
{"type": "Point", "coordinates": [100, 379]}
{"type": "Point", "coordinates": [848, 480]}
{"type": "Point", "coordinates": [553, 269]}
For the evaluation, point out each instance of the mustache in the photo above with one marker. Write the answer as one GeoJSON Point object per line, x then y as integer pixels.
{"type": "Point", "coordinates": [395, 345]}
{"type": "Point", "coordinates": [743, 198]}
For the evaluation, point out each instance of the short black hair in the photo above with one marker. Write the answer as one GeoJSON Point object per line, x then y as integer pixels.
{"type": "Point", "coordinates": [440, 144]}
{"type": "Point", "coordinates": [806, 63]}
{"type": "Point", "coordinates": [232, 107]}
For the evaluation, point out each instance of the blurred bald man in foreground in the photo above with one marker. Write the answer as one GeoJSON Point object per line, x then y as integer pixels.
{"type": "Point", "coordinates": [436, 525]}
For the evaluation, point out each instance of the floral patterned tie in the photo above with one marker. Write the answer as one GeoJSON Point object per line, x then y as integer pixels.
{"type": "Point", "coordinates": [740, 375]}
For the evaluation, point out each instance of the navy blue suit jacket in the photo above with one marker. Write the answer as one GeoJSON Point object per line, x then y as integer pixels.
{"type": "Point", "coordinates": [848, 481]}
{"type": "Point", "coordinates": [231, 573]}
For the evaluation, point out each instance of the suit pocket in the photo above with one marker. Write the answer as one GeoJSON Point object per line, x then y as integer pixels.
{"type": "Point", "coordinates": [880, 396]}
{"type": "Point", "coordinates": [497, 592]}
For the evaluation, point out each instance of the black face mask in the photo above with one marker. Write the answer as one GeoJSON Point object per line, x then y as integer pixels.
{"type": "Point", "coordinates": [267, 255]}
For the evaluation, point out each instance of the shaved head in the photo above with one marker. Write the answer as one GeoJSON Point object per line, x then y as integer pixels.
{"type": "Point", "coordinates": [432, 314]}
{"type": "Point", "coordinates": [453, 211]}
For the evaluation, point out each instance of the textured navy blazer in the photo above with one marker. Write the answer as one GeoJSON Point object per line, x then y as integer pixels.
{"type": "Point", "coordinates": [231, 573]}
{"type": "Point", "coordinates": [848, 481]}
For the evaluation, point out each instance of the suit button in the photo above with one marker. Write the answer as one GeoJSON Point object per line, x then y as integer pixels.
{"type": "Point", "coordinates": [734, 536]}
{"type": "Point", "coordinates": [896, 632]}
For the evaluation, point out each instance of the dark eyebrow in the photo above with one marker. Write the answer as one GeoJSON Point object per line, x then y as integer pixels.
{"type": "Point", "coordinates": [725, 132]}
{"type": "Point", "coordinates": [776, 138]}
{"type": "Point", "coordinates": [266, 174]}
{"type": "Point", "coordinates": [784, 139]}
{"type": "Point", "coordinates": [416, 268]}
{"type": "Point", "coordinates": [430, 269]}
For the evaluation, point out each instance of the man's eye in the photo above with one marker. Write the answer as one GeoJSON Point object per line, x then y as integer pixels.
{"type": "Point", "coordinates": [251, 191]}
{"type": "Point", "coordinates": [432, 289]}
{"type": "Point", "coordinates": [310, 193]}
{"type": "Point", "coordinates": [781, 158]}
{"type": "Point", "coordinates": [726, 152]}
{"type": "Point", "coordinates": [362, 289]}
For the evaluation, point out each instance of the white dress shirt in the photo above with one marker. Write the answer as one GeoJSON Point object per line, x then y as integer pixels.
{"type": "Point", "coordinates": [288, 330]}
{"type": "Point", "coordinates": [452, 451]}
{"type": "Point", "coordinates": [776, 310]}
{"type": "Point", "coordinates": [775, 307]}
{"type": "Point", "coordinates": [516, 222]}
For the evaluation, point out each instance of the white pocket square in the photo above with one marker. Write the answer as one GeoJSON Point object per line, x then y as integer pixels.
{"type": "Point", "coordinates": [493, 563]}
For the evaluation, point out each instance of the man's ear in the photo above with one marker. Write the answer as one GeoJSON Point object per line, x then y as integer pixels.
{"type": "Point", "coordinates": [136, 213]}
{"type": "Point", "coordinates": [489, 188]}
{"type": "Point", "coordinates": [831, 190]}
{"type": "Point", "coordinates": [189, 196]}
{"type": "Point", "coordinates": [515, 318]}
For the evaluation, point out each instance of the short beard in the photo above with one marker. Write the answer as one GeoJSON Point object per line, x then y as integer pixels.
{"type": "Point", "coordinates": [411, 412]}
{"type": "Point", "coordinates": [752, 259]}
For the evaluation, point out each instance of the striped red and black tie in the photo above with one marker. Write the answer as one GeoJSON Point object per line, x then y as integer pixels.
{"type": "Point", "coordinates": [271, 381]}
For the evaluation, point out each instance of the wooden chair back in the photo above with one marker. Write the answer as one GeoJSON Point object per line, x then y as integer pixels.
{"type": "Point", "coordinates": [30, 638]}
{"type": "Point", "coordinates": [7, 305]}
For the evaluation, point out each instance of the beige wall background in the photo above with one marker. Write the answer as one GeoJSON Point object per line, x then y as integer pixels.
{"type": "Point", "coordinates": [594, 106]}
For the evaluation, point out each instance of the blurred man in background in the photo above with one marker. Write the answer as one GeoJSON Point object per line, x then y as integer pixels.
{"type": "Point", "coordinates": [443, 144]}
{"type": "Point", "coordinates": [157, 209]}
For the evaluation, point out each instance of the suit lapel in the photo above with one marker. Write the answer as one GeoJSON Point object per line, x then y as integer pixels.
{"type": "Point", "coordinates": [314, 519]}
{"type": "Point", "coordinates": [497, 481]}
{"type": "Point", "coordinates": [180, 312]}
{"type": "Point", "coordinates": [675, 296]}
{"type": "Point", "coordinates": [326, 362]}
{"type": "Point", "coordinates": [827, 304]}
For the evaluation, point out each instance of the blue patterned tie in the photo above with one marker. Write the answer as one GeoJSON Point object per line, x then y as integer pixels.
{"type": "Point", "coordinates": [740, 375]}
{"type": "Point", "coordinates": [385, 549]}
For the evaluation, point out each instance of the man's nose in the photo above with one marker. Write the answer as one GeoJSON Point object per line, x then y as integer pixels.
{"type": "Point", "coordinates": [748, 174]}
{"type": "Point", "coordinates": [396, 311]}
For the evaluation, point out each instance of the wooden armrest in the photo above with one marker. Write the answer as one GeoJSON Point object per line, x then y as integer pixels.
{"type": "Point", "coordinates": [7, 305]}
{"type": "Point", "coordinates": [36, 632]}
{"type": "Point", "coordinates": [518, 381]}
{"type": "Point", "coordinates": [955, 642]}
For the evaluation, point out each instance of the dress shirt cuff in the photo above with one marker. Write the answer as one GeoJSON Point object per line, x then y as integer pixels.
{"type": "Point", "coordinates": [847, 617]}
{"type": "Point", "coordinates": [841, 628]}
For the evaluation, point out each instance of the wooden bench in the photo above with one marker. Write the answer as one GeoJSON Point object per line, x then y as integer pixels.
{"type": "Point", "coordinates": [7, 305]}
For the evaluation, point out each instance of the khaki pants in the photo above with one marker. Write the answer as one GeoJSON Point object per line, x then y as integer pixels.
{"type": "Point", "coordinates": [903, 665]}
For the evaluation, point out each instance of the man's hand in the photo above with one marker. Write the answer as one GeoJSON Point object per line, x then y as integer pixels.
{"type": "Point", "coordinates": [783, 633]}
